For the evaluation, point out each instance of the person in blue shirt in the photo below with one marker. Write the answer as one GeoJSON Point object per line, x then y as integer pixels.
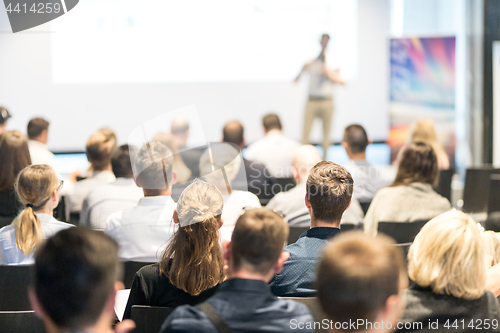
{"type": "Point", "coordinates": [329, 190]}
{"type": "Point", "coordinates": [244, 303]}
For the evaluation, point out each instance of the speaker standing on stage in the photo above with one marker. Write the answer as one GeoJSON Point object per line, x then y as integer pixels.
{"type": "Point", "coordinates": [320, 103]}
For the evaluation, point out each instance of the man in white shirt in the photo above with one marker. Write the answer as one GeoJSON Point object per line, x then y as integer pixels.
{"type": "Point", "coordinates": [367, 178]}
{"type": "Point", "coordinates": [99, 148]}
{"type": "Point", "coordinates": [38, 134]}
{"type": "Point", "coordinates": [274, 150]}
{"type": "Point", "coordinates": [320, 104]}
{"type": "Point", "coordinates": [144, 231]}
{"type": "Point", "coordinates": [292, 204]}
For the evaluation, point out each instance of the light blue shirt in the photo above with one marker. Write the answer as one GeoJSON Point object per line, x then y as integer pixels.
{"type": "Point", "coordinates": [10, 254]}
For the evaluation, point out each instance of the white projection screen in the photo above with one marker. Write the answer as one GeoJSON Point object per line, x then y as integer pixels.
{"type": "Point", "coordinates": [120, 63]}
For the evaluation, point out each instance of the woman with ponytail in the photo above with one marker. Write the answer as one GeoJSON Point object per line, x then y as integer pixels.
{"type": "Point", "coordinates": [192, 265]}
{"type": "Point", "coordinates": [37, 187]}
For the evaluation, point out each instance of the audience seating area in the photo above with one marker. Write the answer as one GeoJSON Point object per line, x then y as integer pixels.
{"type": "Point", "coordinates": [148, 319]}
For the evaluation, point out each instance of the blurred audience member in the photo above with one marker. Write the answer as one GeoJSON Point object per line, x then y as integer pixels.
{"type": "Point", "coordinates": [120, 194]}
{"type": "Point", "coordinates": [99, 148]}
{"type": "Point", "coordinates": [175, 280]}
{"type": "Point", "coordinates": [491, 241]}
{"type": "Point", "coordinates": [15, 156]}
{"type": "Point", "coordinates": [328, 194]}
{"type": "Point", "coordinates": [446, 262]}
{"type": "Point", "coordinates": [38, 134]}
{"type": "Point", "coordinates": [274, 150]}
{"type": "Point", "coordinates": [219, 167]}
{"type": "Point", "coordinates": [76, 277]}
{"type": "Point", "coordinates": [191, 157]}
{"type": "Point", "coordinates": [367, 180]}
{"type": "Point", "coordinates": [411, 197]}
{"type": "Point", "coordinates": [292, 204]}
{"type": "Point", "coordinates": [142, 232]}
{"type": "Point", "coordinates": [362, 280]}
{"type": "Point", "coordinates": [4, 116]}
{"type": "Point", "coordinates": [37, 187]}
{"type": "Point", "coordinates": [243, 303]}
{"type": "Point", "coordinates": [252, 176]}
{"type": "Point", "coordinates": [180, 168]}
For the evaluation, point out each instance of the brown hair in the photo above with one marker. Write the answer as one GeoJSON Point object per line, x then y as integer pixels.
{"type": "Point", "coordinates": [357, 274]}
{"type": "Point", "coordinates": [36, 126]}
{"type": "Point", "coordinates": [271, 121]}
{"type": "Point", "coordinates": [34, 187]}
{"type": "Point", "coordinates": [100, 147]}
{"type": "Point", "coordinates": [329, 190]}
{"type": "Point", "coordinates": [193, 259]}
{"type": "Point", "coordinates": [233, 132]}
{"type": "Point", "coordinates": [418, 164]}
{"type": "Point", "coordinates": [258, 239]}
{"type": "Point", "coordinates": [180, 168]}
{"type": "Point", "coordinates": [356, 138]}
{"type": "Point", "coordinates": [15, 157]}
{"type": "Point", "coordinates": [153, 165]}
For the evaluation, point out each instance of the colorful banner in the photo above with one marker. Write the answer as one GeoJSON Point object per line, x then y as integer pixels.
{"type": "Point", "coordinates": [422, 86]}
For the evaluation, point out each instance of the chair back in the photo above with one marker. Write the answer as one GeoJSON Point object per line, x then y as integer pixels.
{"type": "Point", "coordinates": [315, 309]}
{"type": "Point", "coordinates": [494, 195]}
{"type": "Point", "coordinates": [295, 233]}
{"type": "Point", "coordinates": [444, 184]}
{"type": "Point", "coordinates": [476, 184]}
{"type": "Point", "coordinates": [402, 232]}
{"type": "Point", "coordinates": [350, 226]}
{"type": "Point", "coordinates": [20, 321]}
{"type": "Point", "coordinates": [129, 270]}
{"type": "Point", "coordinates": [14, 282]}
{"type": "Point", "coordinates": [365, 206]}
{"type": "Point", "coordinates": [148, 319]}
{"type": "Point", "coordinates": [285, 184]}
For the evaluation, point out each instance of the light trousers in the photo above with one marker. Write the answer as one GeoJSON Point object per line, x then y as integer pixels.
{"type": "Point", "coordinates": [323, 109]}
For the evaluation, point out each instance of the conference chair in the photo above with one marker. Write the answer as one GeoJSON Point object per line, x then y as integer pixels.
{"type": "Point", "coordinates": [477, 181]}
{"type": "Point", "coordinates": [129, 270]}
{"type": "Point", "coordinates": [315, 309]}
{"type": "Point", "coordinates": [401, 232]}
{"type": "Point", "coordinates": [148, 319]}
{"type": "Point", "coordinates": [365, 206]}
{"type": "Point", "coordinates": [283, 185]}
{"type": "Point", "coordinates": [6, 220]}
{"type": "Point", "coordinates": [14, 282]}
{"type": "Point", "coordinates": [444, 184]}
{"type": "Point", "coordinates": [405, 247]}
{"type": "Point", "coordinates": [295, 233]}
{"type": "Point", "coordinates": [350, 226]}
{"type": "Point", "coordinates": [20, 321]}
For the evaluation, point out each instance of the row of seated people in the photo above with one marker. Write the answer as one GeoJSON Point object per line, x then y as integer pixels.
{"type": "Point", "coordinates": [361, 281]}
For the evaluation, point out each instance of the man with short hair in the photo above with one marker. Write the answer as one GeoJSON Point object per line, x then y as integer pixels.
{"type": "Point", "coordinates": [252, 175]}
{"type": "Point", "coordinates": [4, 116]}
{"type": "Point", "coordinates": [291, 203]}
{"type": "Point", "coordinates": [244, 303]}
{"type": "Point", "coordinates": [361, 280]}
{"type": "Point", "coordinates": [367, 178]}
{"type": "Point", "coordinates": [118, 195]}
{"type": "Point", "coordinates": [76, 277]}
{"type": "Point", "coordinates": [274, 150]}
{"type": "Point", "coordinates": [190, 156]}
{"type": "Point", "coordinates": [99, 148]}
{"type": "Point", "coordinates": [38, 134]}
{"type": "Point", "coordinates": [142, 232]}
{"type": "Point", "coordinates": [328, 194]}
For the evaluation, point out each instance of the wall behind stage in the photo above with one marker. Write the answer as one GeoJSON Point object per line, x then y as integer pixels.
{"type": "Point", "coordinates": [75, 111]}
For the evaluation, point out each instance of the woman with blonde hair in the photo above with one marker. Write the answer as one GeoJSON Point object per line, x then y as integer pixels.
{"type": "Point", "coordinates": [37, 187]}
{"type": "Point", "coordinates": [446, 261]}
{"type": "Point", "coordinates": [192, 265]}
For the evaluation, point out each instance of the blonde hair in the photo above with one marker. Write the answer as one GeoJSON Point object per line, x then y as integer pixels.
{"type": "Point", "coordinates": [424, 131]}
{"type": "Point", "coordinates": [491, 241]}
{"type": "Point", "coordinates": [193, 259]}
{"type": "Point", "coordinates": [218, 156]}
{"type": "Point", "coordinates": [180, 168]}
{"type": "Point", "coordinates": [448, 256]}
{"type": "Point", "coordinates": [34, 187]}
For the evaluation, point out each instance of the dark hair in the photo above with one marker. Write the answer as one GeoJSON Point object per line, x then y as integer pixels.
{"type": "Point", "coordinates": [75, 273]}
{"type": "Point", "coordinates": [356, 138]}
{"type": "Point", "coordinates": [15, 156]}
{"type": "Point", "coordinates": [233, 133]}
{"type": "Point", "coordinates": [271, 121]}
{"type": "Point", "coordinates": [153, 166]}
{"type": "Point", "coordinates": [99, 148]}
{"type": "Point", "coordinates": [418, 164]}
{"type": "Point", "coordinates": [121, 162]}
{"type": "Point", "coordinates": [36, 126]}
{"type": "Point", "coordinates": [357, 273]}
{"type": "Point", "coordinates": [258, 239]}
{"type": "Point", "coordinates": [329, 190]}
